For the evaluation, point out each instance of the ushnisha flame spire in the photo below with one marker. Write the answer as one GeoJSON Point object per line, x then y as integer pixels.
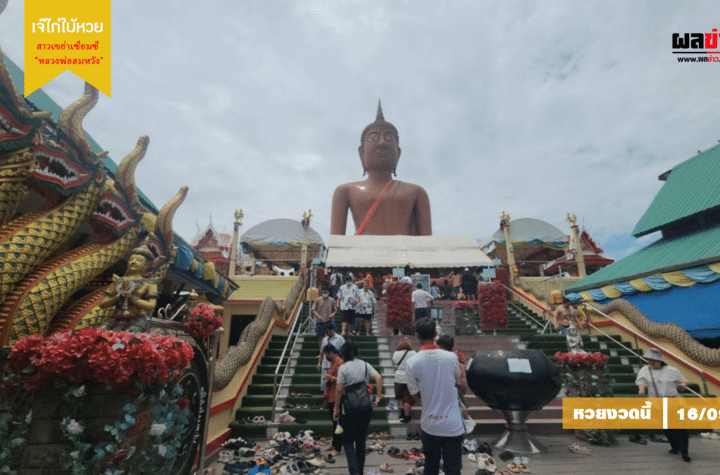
{"type": "Point", "coordinates": [379, 122]}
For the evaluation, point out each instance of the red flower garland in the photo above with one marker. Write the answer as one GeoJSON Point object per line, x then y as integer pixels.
{"type": "Point", "coordinates": [502, 276]}
{"type": "Point", "coordinates": [398, 305]}
{"type": "Point", "coordinates": [115, 359]}
{"type": "Point", "coordinates": [463, 304]}
{"type": "Point", "coordinates": [202, 322]}
{"type": "Point", "coordinates": [582, 360]}
{"type": "Point", "coordinates": [492, 307]}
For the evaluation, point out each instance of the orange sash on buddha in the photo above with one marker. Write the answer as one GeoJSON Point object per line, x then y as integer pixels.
{"type": "Point", "coordinates": [371, 211]}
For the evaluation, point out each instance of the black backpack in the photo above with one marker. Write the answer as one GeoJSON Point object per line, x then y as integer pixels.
{"type": "Point", "coordinates": [357, 397]}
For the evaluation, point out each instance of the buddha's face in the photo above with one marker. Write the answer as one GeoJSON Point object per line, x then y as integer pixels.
{"type": "Point", "coordinates": [380, 151]}
{"type": "Point", "coordinates": [137, 264]}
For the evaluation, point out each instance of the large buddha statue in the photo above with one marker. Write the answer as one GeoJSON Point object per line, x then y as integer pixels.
{"type": "Point", "coordinates": [380, 205]}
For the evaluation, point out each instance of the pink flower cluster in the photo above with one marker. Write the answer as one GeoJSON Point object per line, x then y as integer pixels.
{"type": "Point", "coordinates": [582, 360]}
{"type": "Point", "coordinates": [202, 322]}
{"type": "Point", "coordinates": [114, 359]}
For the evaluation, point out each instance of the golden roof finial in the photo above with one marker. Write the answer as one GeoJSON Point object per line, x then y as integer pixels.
{"type": "Point", "coordinates": [505, 218]}
{"type": "Point", "coordinates": [239, 215]}
{"type": "Point", "coordinates": [306, 217]}
{"type": "Point", "coordinates": [572, 219]}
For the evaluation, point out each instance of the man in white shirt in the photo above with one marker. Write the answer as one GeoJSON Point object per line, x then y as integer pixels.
{"type": "Point", "coordinates": [421, 301]}
{"type": "Point", "coordinates": [347, 300]}
{"type": "Point", "coordinates": [434, 375]}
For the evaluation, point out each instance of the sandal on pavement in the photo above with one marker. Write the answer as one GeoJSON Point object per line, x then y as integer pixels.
{"type": "Point", "coordinates": [472, 458]}
{"type": "Point", "coordinates": [485, 448]}
{"type": "Point", "coordinates": [506, 455]}
{"type": "Point", "coordinates": [513, 467]}
{"type": "Point", "coordinates": [394, 452]}
{"type": "Point", "coordinates": [410, 471]}
{"type": "Point", "coordinates": [576, 449]}
{"type": "Point", "coordinates": [523, 468]}
{"type": "Point", "coordinates": [386, 468]}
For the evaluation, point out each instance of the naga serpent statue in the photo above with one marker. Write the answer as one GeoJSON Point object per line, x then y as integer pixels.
{"type": "Point", "coordinates": [71, 181]}
{"type": "Point", "coordinates": [18, 134]}
{"type": "Point", "coordinates": [44, 264]}
{"type": "Point", "coordinates": [87, 312]}
{"type": "Point", "coordinates": [240, 354]}
{"type": "Point", "coordinates": [671, 332]}
{"type": "Point", "coordinates": [33, 303]}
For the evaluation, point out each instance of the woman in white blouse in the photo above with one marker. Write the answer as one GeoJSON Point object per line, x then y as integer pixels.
{"type": "Point", "coordinates": [657, 379]}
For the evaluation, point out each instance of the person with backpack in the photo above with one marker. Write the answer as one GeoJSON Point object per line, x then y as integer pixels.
{"type": "Point", "coordinates": [352, 397]}
{"type": "Point", "coordinates": [402, 355]}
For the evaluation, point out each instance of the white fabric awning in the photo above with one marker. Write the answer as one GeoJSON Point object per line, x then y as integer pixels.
{"type": "Point", "coordinates": [401, 251]}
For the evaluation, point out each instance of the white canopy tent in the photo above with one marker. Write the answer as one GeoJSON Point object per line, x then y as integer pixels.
{"type": "Point", "coordinates": [405, 251]}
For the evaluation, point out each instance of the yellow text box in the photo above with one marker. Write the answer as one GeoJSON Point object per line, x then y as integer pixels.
{"type": "Point", "coordinates": [612, 413]}
{"type": "Point", "coordinates": [693, 413]}
{"type": "Point", "coordinates": [641, 413]}
{"type": "Point", "coordinates": [67, 35]}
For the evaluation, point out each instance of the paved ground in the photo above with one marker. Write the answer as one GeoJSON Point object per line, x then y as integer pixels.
{"type": "Point", "coordinates": [650, 459]}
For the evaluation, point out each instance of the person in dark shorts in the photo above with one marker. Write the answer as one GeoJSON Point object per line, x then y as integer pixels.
{"type": "Point", "coordinates": [365, 308]}
{"type": "Point", "coordinates": [347, 300]}
{"type": "Point", "coordinates": [323, 309]}
{"type": "Point", "coordinates": [402, 355]}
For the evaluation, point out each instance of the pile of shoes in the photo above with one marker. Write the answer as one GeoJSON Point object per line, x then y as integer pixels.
{"type": "Point", "coordinates": [286, 455]}
{"type": "Point", "coordinates": [464, 322]}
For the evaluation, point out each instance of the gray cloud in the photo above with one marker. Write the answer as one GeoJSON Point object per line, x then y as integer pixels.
{"type": "Point", "coordinates": [535, 108]}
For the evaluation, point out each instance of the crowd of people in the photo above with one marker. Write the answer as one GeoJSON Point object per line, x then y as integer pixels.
{"type": "Point", "coordinates": [435, 374]}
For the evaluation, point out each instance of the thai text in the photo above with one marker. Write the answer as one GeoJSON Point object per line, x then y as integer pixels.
{"type": "Point", "coordinates": [46, 25]}
{"type": "Point", "coordinates": [603, 413]}
{"type": "Point", "coordinates": [695, 40]}
{"type": "Point", "coordinates": [78, 45]}
{"type": "Point", "coordinates": [69, 61]}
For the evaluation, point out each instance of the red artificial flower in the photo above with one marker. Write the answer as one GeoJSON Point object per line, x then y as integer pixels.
{"type": "Point", "coordinates": [113, 359]}
{"type": "Point", "coordinates": [202, 322]}
{"type": "Point", "coordinates": [183, 403]}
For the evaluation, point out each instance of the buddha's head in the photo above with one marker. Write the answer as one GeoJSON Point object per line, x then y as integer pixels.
{"type": "Point", "coordinates": [379, 145]}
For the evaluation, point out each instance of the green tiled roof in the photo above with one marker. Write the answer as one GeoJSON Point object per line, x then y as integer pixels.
{"type": "Point", "coordinates": [692, 187]}
{"type": "Point", "coordinates": [43, 102]}
{"type": "Point", "coordinates": [664, 255]}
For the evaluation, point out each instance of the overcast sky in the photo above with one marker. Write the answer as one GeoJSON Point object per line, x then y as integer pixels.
{"type": "Point", "coordinates": [533, 108]}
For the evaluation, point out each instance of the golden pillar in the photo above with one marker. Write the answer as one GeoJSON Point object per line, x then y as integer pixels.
{"type": "Point", "coordinates": [579, 258]}
{"type": "Point", "coordinates": [306, 225]}
{"type": "Point", "coordinates": [505, 223]}
{"type": "Point", "coordinates": [233, 247]}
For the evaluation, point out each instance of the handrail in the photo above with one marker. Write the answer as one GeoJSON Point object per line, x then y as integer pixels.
{"type": "Point", "coordinates": [526, 313]}
{"type": "Point", "coordinates": [526, 299]}
{"type": "Point", "coordinates": [636, 334]}
{"type": "Point", "coordinates": [282, 356]}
